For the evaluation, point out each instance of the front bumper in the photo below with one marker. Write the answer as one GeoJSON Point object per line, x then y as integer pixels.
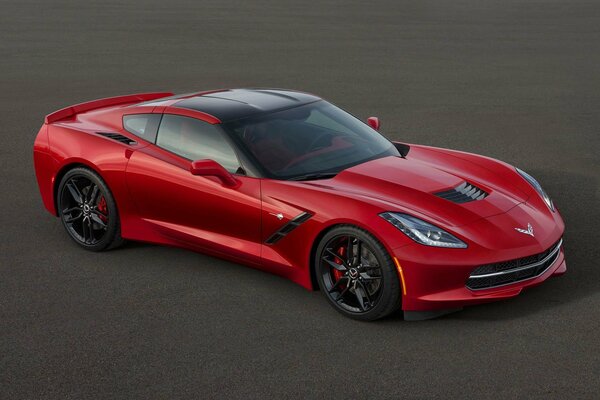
{"type": "Point", "coordinates": [450, 292]}
{"type": "Point", "coordinates": [435, 279]}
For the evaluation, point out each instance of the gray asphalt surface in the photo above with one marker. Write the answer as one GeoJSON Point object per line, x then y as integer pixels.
{"type": "Point", "coordinates": [518, 81]}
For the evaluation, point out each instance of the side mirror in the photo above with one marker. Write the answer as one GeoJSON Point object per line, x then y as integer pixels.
{"type": "Point", "coordinates": [213, 168]}
{"type": "Point", "coordinates": [373, 122]}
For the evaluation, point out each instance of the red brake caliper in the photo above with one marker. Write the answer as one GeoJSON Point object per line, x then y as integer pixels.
{"type": "Point", "coordinates": [103, 209]}
{"type": "Point", "coordinates": [336, 273]}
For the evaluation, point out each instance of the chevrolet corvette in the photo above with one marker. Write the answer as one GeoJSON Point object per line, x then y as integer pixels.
{"type": "Point", "coordinates": [286, 182]}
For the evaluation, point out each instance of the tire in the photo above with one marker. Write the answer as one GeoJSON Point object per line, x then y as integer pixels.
{"type": "Point", "coordinates": [88, 211]}
{"type": "Point", "coordinates": [345, 279]}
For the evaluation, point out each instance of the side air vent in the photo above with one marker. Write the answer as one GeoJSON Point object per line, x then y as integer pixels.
{"type": "Point", "coordinates": [287, 228]}
{"type": "Point", "coordinates": [118, 137]}
{"type": "Point", "coordinates": [463, 193]}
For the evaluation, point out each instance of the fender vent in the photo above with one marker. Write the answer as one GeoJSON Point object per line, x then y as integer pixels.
{"type": "Point", "coordinates": [287, 228]}
{"type": "Point", "coordinates": [118, 137]}
{"type": "Point", "coordinates": [463, 193]}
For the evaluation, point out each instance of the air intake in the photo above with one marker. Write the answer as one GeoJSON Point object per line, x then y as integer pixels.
{"type": "Point", "coordinates": [287, 228]}
{"type": "Point", "coordinates": [507, 272]}
{"type": "Point", "coordinates": [118, 137]}
{"type": "Point", "coordinates": [463, 193]}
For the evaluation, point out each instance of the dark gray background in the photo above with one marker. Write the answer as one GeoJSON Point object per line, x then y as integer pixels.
{"type": "Point", "coordinates": [517, 81]}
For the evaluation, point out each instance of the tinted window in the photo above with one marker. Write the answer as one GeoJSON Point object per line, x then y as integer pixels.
{"type": "Point", "coordinates": [310, 139]}
{"type": "Point", "coordinates": [142, 125]}
{"type": "Point", "coordinates": [196, 140]}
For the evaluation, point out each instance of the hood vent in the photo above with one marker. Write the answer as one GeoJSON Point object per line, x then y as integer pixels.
{"type": "Point", "coordinates": [463, 193]}
{"type": "Point", "coordinates": [118, 137]}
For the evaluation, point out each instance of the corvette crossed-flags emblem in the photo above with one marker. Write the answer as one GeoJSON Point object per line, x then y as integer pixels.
{"type": "Point", "coordinates": [528, 231]}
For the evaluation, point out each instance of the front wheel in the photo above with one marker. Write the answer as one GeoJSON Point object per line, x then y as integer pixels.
{"type": "Point", "coordinates": [356, 274]}
{"type": "Point", "coordinates": [88, 210]}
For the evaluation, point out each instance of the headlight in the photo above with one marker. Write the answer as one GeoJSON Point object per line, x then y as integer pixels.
{"type": "Point", "coordinates": [423, 232]}
{"type": "Point", "coordinates": [538, 188]}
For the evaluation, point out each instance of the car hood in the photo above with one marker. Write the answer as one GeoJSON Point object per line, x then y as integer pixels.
{"type": "Point", "coordinates": [410, 184]}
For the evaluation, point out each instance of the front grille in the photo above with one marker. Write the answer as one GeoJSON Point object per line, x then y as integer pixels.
{"type": "Point", "coordinates": [507, 272]}
{"type": "Point", "coordinates": [463, 193]}
{"type": "Point", "coordinates": [118, 137]}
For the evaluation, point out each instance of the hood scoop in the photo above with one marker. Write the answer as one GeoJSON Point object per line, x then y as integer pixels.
{"type": "Point", "coordinates": [463, 193]}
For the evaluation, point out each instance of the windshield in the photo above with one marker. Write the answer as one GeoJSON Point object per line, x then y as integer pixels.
{"type": "Point", "coordinates": [313, 139]}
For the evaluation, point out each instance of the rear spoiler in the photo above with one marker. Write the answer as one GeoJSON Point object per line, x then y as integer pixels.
{"type": "Point", "coordinates": [109, 101]}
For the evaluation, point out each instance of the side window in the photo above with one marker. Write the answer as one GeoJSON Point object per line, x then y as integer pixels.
{"type": "Point", "coordinates": [196, 140]}
{"type": "Point", "coordinates": [142, 125]}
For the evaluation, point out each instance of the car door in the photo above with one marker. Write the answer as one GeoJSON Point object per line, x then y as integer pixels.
{"type": "Point", "coordinates": [196, 210]}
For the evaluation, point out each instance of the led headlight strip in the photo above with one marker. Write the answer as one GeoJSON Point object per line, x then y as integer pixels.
{"type": "Point", "coordinates": [423, 232]}
{"type": "Point", "coordinates": [538, 188]}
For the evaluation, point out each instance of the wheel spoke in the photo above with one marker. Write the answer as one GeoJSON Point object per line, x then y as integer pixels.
{"type": "Point", "coordinates": [365, 265]}
{"type": "Point", "coordinates": [364, 262]}
{"type": "Point", "coordinates": [70, 218]}
{"type": "Point", "coordinates": [75, 193]}
{"type": "Point", "coordinates": [93, 194]}
{"type": "Point", "coordinates": [349, 252]}
{"type": "Point", "coordinates": [84, 229]}
{"type": "Point", "coordinates": [341, 295]}
{"type": "Point", "coordinates": [99, 221]}
{"type": "Point", "coordinates": [70, 210]}
{"type": "Point", "coordinates": [365, 277]}
{"type": "Point", "coordinates": [359, 296]}
{"type": "Point", "coordinates": [365, 291]}
{"type": "Point", "coordinates": [331, 253]}
{"type": "Point", "coordinates": [335, 265]}
{"type": "Point", "coordinates": [90, 231]}
{"type": "Point", "coordinates": [337, 284]}
{"type": "Point", "coordinates": [98, 213]}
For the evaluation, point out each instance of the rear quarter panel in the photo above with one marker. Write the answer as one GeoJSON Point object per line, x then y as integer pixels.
{"type": "Point", "coordinates": [45, 168]}
{"type": "Point", "coordinates": [69, 146]}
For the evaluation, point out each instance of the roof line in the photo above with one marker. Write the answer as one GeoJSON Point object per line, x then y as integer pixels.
{"type": "Point", "coordinates": [270, 91]}
{"type": "Point", "coordinates": [258, 114]}
{"type": "Point", "coordinates": [224, 98]}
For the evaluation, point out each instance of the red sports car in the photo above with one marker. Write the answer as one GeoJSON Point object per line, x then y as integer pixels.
{"type": "Point", "coordinates": [288, 183]}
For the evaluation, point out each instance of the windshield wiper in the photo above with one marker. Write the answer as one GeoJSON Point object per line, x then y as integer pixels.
{"type": "Point", "coordinates": [310, 177]}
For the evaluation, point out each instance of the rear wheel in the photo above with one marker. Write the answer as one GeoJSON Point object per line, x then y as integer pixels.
{"type": "Point", "coordinates": [356, 274]}
{"type": "Point", "coordinates": [88, 210]}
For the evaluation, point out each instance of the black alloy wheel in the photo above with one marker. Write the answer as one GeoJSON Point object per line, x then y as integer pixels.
{"type": "Point", "coordinates": [88, 210]}
{"type": "Point", "coordinates": [356, 274]}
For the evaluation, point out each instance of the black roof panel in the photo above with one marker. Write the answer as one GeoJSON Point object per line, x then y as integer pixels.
{"type": "Point", "coordinates": [239, 103]}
